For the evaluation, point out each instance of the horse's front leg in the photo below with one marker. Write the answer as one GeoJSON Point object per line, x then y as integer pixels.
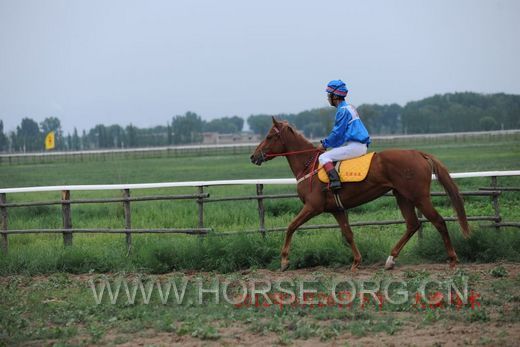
{"type": "Point", "coordinates": [342, 220]}
{"type": "Point", "coordinates": [305, 214]}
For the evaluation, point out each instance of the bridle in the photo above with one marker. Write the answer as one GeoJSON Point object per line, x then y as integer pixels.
{"type": "Point", "coordinates": [307, 169]}
{"type": "Point", "coordinates": [265, 156]}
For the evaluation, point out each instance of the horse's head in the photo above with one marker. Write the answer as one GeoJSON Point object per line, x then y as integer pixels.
{"type": "Point", "coordinates": [274, 143]}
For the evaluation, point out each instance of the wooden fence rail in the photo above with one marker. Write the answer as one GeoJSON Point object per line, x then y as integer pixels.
{"type": "Point", "coordinates": [201, 198]}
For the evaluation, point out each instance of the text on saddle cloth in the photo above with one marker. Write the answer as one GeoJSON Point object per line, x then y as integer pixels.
{"type": "Point", "coordinates": [350, 170]}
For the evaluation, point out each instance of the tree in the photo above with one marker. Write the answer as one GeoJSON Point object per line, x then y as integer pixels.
{"type": "Point", "coordinates": [69, 142]}
{"type": "Point", "coordinates": [116, 136]}
{"type": "Point", "coordinates": [314, 130]}
{"type": "Point", "coordinates": [13, 140]}
{"type": "Point", "coordinates": [3, 139]}
{"type": "Point", "coordinates": [28, 136]}
{"type": "Point", "coordinates": [225, 125]}
{"type": "Point", "coordinates": [187, 128]}
{"type": "Point", "coordinates": [314, 123]}
{"type": "Point", "coordinates": [238, 122]}
{"type": "Point", "coordinates": [84, 140]}
{"type": "Point", "coordinates": [462, 112]}
{"type": "Point", "coordinates": [488, 123]}
{"type": "Point", "coordinates": [259, 124]}
{"type": "Point", "coordinates": [131, 135]}
{"type": "Point", "coordinates": [439, 113]}
{"type": "Point", "coordinates": [75, 141]}
{"type": "Point", "coordinates": [381, 119]}
{"type": "Point", "coordinates": [169, 134]}
{"type": "Point", "coordinates": [156, 136]}
{"type": "Point", "coordinates": [99, 137]}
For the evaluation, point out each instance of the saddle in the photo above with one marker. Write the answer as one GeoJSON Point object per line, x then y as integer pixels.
{"type": "Point", "coordinates": [350, 170]}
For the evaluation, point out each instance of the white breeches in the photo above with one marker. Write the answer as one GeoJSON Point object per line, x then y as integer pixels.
{"type": "Point", "coordinates": [350, 150]}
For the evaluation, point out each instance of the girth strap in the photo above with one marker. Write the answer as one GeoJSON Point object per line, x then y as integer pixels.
{"type": "Point", "coordinates": [337, 199]}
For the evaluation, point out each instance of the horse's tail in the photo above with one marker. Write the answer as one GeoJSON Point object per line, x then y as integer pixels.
{"type": "Point", "coordinates": [452, 190]}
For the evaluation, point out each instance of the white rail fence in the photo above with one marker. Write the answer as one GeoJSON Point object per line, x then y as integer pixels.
{"type": "Point", "coordinates": [202, 198]}
{"type": "Point", "coordinates": [184, 150]}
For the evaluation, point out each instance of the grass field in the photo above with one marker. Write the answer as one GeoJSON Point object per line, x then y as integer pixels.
{"type": "Point", "coordinates": [160, 253]}
{"type": "Point", "coordinates": [58, 308]}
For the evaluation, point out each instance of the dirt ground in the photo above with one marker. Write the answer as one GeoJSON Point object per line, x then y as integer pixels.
{"type": "Point", "coordinates": [434, 336]}
{"type": "Point", "coordinates": [440, 333]}
{"type": "Point", "coordinates": [491, 331]}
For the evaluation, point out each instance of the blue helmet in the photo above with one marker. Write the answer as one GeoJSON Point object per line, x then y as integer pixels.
{"type": "Point", "coordinates": [337, 87]}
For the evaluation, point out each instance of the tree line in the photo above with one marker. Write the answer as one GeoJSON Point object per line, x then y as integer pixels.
{"type": "Point", "coordinates": [453, 112]}
{"type": "Point", "coordinates": [183, 129]}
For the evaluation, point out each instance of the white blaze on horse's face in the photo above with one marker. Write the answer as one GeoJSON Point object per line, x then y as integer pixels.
{"type": "Point", "coordinates": [272, 144]}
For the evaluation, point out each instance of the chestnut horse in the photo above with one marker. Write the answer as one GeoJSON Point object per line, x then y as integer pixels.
{"type": "Point", "coordinates": [407, 173]}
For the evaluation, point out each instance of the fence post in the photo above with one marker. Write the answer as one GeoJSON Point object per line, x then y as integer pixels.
{"type": "Point", "coordinates": [128, 220]}
{"type": "Point", "coordinates": [494, 201]}
{"type": "Point", "coordinates": [200, 202]}
{"type": "Point", "coordinates": [67, 218]}
{"type": "Point", "coordinates": [5, 241]}
{"type": "Point", "coordinates": [261, 210]}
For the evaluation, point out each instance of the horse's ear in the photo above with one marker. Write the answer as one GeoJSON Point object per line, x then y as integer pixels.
{"type": "Point", "coordinates": [275, 122]}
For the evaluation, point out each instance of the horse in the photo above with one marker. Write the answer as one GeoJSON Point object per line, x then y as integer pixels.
{"type": "Point", "coordinates": [407, 173]}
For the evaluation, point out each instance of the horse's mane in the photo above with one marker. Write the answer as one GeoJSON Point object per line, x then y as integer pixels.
{"type": "Point", "coordinates": [298, 134]}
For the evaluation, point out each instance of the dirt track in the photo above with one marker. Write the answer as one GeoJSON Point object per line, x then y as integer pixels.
{"type": "Point", "coordinates": [413, 333]}
{"type": "Point", "coordinates": [499, 326]}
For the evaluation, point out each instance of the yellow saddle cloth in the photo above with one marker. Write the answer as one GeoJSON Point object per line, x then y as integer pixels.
{"type": "Point", "coordinates": [350, 170]}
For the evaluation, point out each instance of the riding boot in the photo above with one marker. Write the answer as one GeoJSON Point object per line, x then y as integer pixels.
{"type": "Point", "coordinates": [335, 183]}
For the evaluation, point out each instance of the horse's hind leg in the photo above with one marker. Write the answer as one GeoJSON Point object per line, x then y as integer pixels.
{"type": "Point", "coordinates": [427, 209]}
{"type": "Point", "coordinates": [305, 214]}
{"type": "Point", "coordinates": [342, 219]}
{"type": "Point", "coordinates": [412, 225]}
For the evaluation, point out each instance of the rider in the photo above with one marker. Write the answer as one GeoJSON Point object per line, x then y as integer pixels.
{"type": "Point", "coordinates": [348, 139]}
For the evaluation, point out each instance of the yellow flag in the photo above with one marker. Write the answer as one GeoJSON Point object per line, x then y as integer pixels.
{"type": "Point", "coordinates": [49, 141]}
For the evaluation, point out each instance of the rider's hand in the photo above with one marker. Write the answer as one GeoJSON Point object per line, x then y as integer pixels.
{"type": "Point", "coordinates": [321, 148]}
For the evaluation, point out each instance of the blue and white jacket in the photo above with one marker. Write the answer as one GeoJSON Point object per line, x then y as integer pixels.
{"type": "Point", "coordinates": [347, 127]}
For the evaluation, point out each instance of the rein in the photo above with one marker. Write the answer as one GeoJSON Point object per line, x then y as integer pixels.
{"type": "Point", "coordinates": [304, 174]}
{"type": "Point", "coordinates": [269, 155]}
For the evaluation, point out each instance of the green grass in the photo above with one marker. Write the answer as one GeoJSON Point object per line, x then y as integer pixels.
{"type": "Point", "coordinates": [60, 309]}
{"type": "Point", "coordinates": [161, 253]}
{"type": "Point", "coordinates": [473, 155]}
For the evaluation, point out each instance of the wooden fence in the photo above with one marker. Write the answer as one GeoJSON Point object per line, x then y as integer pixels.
{"type": "Point", "coordinates": [202, 198]}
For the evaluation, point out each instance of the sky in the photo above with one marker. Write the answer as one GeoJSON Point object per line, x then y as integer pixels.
{"type": "Point", "coordinates": [92, 62]}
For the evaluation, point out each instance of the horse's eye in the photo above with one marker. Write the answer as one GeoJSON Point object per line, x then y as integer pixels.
{"type": "Point", "coordinates": [269, 137]}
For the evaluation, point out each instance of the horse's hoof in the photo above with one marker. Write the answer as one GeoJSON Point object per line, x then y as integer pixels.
{"type": "Point", "coordinates": [355, 265]}
{"type": "Point", "coordinates": [284, 266]}
{"type": "Point", "coordinates": [389, 265]}
{"type": "Point", "coordinates": [453, 264]}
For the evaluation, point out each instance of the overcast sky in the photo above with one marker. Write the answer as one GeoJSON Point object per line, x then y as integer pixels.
{"type": "Point", "coordinates": [142, 62]}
